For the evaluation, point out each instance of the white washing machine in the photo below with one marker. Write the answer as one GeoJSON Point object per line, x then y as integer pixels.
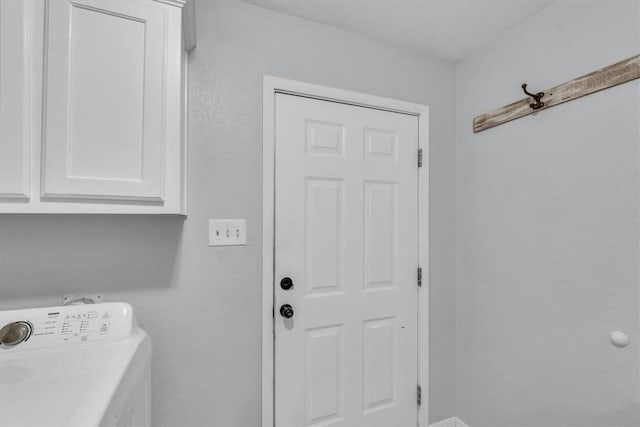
{"type": "Point", "coordinates": [76, 365]}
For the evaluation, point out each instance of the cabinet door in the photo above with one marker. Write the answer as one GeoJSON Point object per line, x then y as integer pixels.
{"type": "Point", "coordinates": [104, 110]}
{"type": "Point", "coordinates": [20, 89]}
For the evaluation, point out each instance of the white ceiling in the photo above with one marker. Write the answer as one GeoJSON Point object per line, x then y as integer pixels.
{"type": "Point", "coordinates": [447, 28]}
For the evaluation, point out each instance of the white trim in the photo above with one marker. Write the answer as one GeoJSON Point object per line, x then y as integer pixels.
{"type": "Point", "coordinates": [188, 20]}
{"type": "Point", "coordinates": [450, 422]}
{"type": "Point", "coordinates": [268, 236]}
{"type": "Point", "coordinates": [189, 25]}
{"type": "Point", "coordinates": [423, 259]}
{"type": "Point", "coordinates": [271, 86]}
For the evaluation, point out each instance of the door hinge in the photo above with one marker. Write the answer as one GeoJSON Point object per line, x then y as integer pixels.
{"type": "Point", "coordinates": [419, 157]}
{"type": "Point", "coordinates": [419, 276]}
{"type": "Point", "coordinates": [419, 395]}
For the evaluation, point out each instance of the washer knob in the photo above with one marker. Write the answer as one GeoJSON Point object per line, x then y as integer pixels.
{"type": "Point", "coordinates": [14, 333]}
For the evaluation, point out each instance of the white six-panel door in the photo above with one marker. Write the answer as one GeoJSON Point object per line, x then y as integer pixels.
{"type": "Point", "coordinates": [346, 218]}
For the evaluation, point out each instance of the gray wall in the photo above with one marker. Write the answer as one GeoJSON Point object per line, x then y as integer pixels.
{"type": "Point", "coordinates": [547, 228]}
{"type": "Point", "coordinates": [202, 305]}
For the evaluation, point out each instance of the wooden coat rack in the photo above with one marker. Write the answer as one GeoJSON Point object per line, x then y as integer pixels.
{"type": "Point", "coordinates": [613, 75]}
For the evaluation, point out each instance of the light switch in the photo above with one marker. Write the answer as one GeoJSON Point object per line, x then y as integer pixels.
{"type": "Point", "coordinates": [227, 232]}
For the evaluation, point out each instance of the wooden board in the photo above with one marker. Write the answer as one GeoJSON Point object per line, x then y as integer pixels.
{"type": "Point", "coordinates": [618, 73]}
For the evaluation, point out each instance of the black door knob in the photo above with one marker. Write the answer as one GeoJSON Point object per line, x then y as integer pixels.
{"type": "Point", "coordinates": [286, 311]}
{"type": "Point", "coordinates": [286, 283]}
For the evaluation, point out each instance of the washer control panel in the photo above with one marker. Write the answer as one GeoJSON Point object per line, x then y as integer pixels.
{"type": "Point", "coordinates": [72, 324]}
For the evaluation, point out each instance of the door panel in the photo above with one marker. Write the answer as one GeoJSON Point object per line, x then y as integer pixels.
{"type": "Point", "coordinates": [346, 217]}
{"type": "Point", "coordinates": [324, 236]}
{"type": "Point", "coordinates": [379, 364]}
{"type": "Point", "coordinates": [380, 234]}
{"type": "Point", "coordinates": [324, 374]}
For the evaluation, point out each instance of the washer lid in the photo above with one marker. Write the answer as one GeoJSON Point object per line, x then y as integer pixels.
{"type": "Point", "coordinates": [59, 378]}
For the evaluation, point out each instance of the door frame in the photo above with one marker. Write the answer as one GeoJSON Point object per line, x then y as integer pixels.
{"type": "Point", "coordinates": [272, 86]}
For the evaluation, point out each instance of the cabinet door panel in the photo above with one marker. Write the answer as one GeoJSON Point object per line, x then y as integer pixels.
{"type": "Point", "coordinates": [106, 74]}
{"type": "Point", "coordinates": [20, 77]}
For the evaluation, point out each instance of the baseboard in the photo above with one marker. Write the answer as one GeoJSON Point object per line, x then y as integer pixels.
{"type": "Point", "coordinates": [450, 422]}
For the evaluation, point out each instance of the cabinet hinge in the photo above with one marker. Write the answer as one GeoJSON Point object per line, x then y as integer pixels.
{"type": "Point", "coordinates": [419, 395]}
{"type": "Point", "coordinates": [419, 276]}
{"type": "Point", "coordinates": [419, 157]}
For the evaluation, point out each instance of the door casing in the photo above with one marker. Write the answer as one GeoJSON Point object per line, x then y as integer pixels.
{"type": "Point", "coordinates": [271, 86]}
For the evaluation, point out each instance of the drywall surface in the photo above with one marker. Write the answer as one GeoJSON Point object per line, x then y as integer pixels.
{"type": "Point", "coordinates": [202, 305]}
{"type": "Point", "coordinates": [547, 228]}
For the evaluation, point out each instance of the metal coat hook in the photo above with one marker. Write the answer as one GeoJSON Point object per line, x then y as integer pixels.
{"type": "Point", "coordinates": [536, 97]}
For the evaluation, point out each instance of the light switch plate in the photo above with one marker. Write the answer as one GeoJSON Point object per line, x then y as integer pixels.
{"type": "Point", "coordinates": [227, 232]}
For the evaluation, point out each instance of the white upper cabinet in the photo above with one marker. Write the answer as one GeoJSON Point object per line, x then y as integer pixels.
{"type": "Point", "coordinates": [105, 101]}
{"type": "Point", "coordinates": [113, 108]}
{"type": "Point", "coordinates": [21, 26]}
